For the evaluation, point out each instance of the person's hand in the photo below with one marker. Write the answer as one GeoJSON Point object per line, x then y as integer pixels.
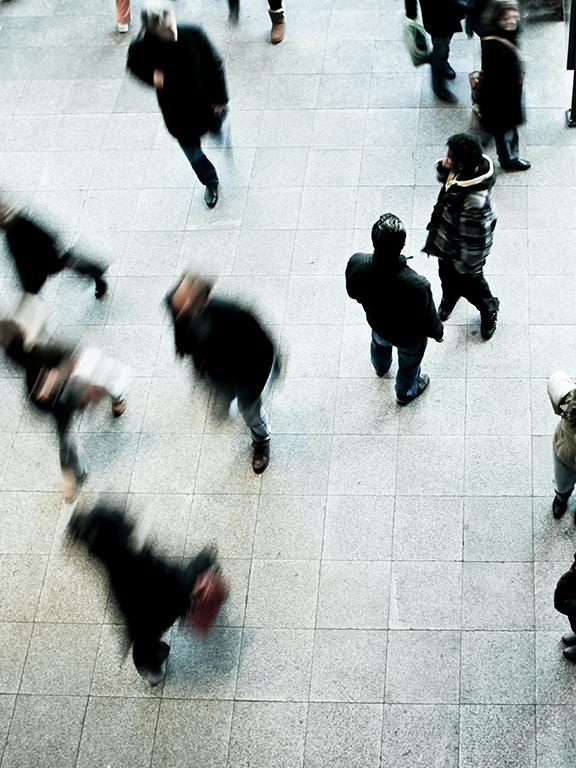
{"type": "Point", "coordinates": [218, 108]}
{"type": "Point", "coordinates": [440, 340]}
{"type": "Point", "coordinates": [158, 79]}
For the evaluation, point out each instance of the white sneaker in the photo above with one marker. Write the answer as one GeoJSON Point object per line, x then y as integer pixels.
{"type": "Point", "coordinates": [123, 27]}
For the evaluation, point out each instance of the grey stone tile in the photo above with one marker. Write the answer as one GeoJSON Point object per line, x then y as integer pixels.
{"type": "Point", "coordinates": [6, 708]}
{"type": "Point", "coordinates": [199, 669]}
{"type": "Point", "coordinates": [397, 91]}
{"type": "Point", "coordinates": [338, 128]}
{"type": "Point", "coordinates": [14, 642]}
{"type": "Point", "coordinates": [321, 252]}
{"type": "Point", "coordinates": [196, 246]}
{"type": "Point", "coordinates": [489, 732]}
{"type": "Point", "coordinates": [30, 132]}
{"type": "Point", "coordinates": [328, 208]}
{"type": "Point", "coordinates": [348, 56]}
{"type": "Point", "coordinates": [237, 575]}
{"type": "Point", "coordinates": [427, 529]}
{"type": "Point", "coordinates": [498, 465]}
{"type": "Point", "coordinates": [227, 520]}
{"type": "Point", "coordinates": [412, 732]}
{"type": "Point", "coordinates": [287, 128]}
{"type": "Point", "coordinates": [116, 169]}
{"type": "Point", "coordinates": [32, 737]}
{"type": "Point", "coordinates": [344, 91]}
{"type": "Point", "coordinates": [27, 522]}
{"type": "Point", "coordinates": [498, 596]}
{"type": "Point", "coordinates": [304, 404]}
{"type": "Point", "coordinates": [311, 350]}
{"type": "Point", "coordinates": [267, 734]}
{"type": "Point", "coordinates": [550, 301]}
{"type": "Point", "coordinates": [299, 464]}
{"type": "Point", "coordinates": [175, 405]}
{"type": "Point", "coordinates": [397, 165]}
{"type": "Point", "coordinates": [441, 411]}
{"type": "Point", "coordinates": [423, 668]}
{"type": "Point", "coordinates": [366, 406]}
{"type": "Point", "coordinates": [513, 415]}
{"type": "Point", "coordinates": [550, 349]}
{"type": "Point", "coordinates": [167, 169]}
{"type": "Point", "coordinates": [555, 683]}
{"type": "Point", "coordinates": [360, 465]}
{"type": "Point", "coordinates": [162, 209]}
{"type": "Point", "coordinates": [358, 528]}
{"type": "Point", "coordinates": [343, 735]}
{"type": "Point", "coordinates": [68, 170]}
{"type": "Point", "coordinates": [315, 300]}
{"type": "Point", "coordinates": [166, 463]}
{"type": "Point", "coordinates": [509, 254]}
{"type": "Point", "coordinates": [292, 92]}
{"type": "Point", "coordinates": [275, 665]}
{"type": "Point", "coordinates": [425, 595]}
{"type": "Point", "coordinates": [282, 594]}
{"type": "Point", "coordinates": [391, 127]}
{"type": "Point", "coordinates": [549, 252]}
{"type": "Point", "coordinates": [24, 169]}
{"type": "Point", "coordinates": [348, 665]}
{"type": "Point", "coordinates": [43, 97]}
{"type": "Point", "coordinates": [373, 201]}
{"type": "Point", "coordinates": [364, 604]}
{"type": "Point", "coordinates": [272, 208]}
{"type": "Point", "coordinates": [21, 577]}
{"type": "Point", "coordinates": [264, 253]}
{"type": "Point", "coordinates": [554, 741]}
{"type": "Point", "coordinates": [10, 93]}
{"type": "Point", "coordinates": [497, 528]}
{"type": "Point", "coordinates": [273, 163]}
{"type": "Point", "coordinates": [74, 590]}
{"type": "Point", "coordinates": [289, 527]}
{"type": "Point", "coordinates": [115, 673]}
{"type": "Point", "coordinates": [497, 668]}
{"type": "Point", "coordinates": [138, 301]}
{"type": "Point", "coordinates": [162, 520]}
{"type": "Point", "coordinates": [227, 215]}
{"type": "Point", "coordinates": [355, 353]}
{"type": "Point", "coordinates": [201, 728]}
{"type": "Point", "coordinates": [551, 206]}
{"type": "Point", "coordinates": [506, 356]}
{"type": "Point", "coordinates": [421, 463]}
{"type": "Point", "coordinates": [60, 659]}
{"type": "Point", "coordinates": [546, 577]}
{"type": "Point", "coordinates": [92, 96]}
{"type": "Point", "coordinates": [118, 729]}
{"type": "Point", "coordinates": [553, 539]}
{"type": "Point", "coordinates": [108, 209]}
{"type": "Point", "coordinates": [225, 465]}
{"type": "Point", "coordinates": [135, 346]}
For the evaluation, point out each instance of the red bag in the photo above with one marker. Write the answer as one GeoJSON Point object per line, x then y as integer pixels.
{"type": "Point", "coordinates": [209, 593]}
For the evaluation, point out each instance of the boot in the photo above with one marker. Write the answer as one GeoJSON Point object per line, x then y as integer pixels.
{"type": "Point", "coordinates": [569, 638]}
{"type": "Point", "coordinates": [488, 325]}
{"type": "Point", "coordinates": [559, 507]}
{"type": "Point", "coordinates": [444, 311]}
{"type": "Point", "coordinates": [260, 457]}
{"type": "Point", "coordinates": [570, 653]}
{"type": "Point", "coordinates": [278, 20]}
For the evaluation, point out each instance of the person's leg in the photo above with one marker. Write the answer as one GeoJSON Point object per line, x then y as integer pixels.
{"type": "Point", "coordinates": [233, 10]}
{"type": "Point", "coordinates": [203, 168]}
{"type": "Point", "coordinates": [407, 378]}
{"type": "Point", "coordinates": [87, 268]}
{"type": "Point", "coordinates": [122, 15]}
{"type": "Point", "coordinates": [380, 354]}
{"type": "Point", "coordinates": [73, 469]}
{"type": "Point", "coordinates": [149, 654]}
{"type": "Point", "coordinates": [507, 146]}
{"type": "Point", "coordinates": [477, 291]}
{"type": "Point", "coordinates": [451, 289]}
{"type": "Point", "coordinates": [564, 479]}
{"type": "Point", "coordinates": [278, 19]}
{"type": "Point", "coordinates": [256, 420]}
{"type": "Point", "coordinates": [440, 67]}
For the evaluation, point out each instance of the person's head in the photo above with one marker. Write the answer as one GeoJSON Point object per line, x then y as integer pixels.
{"type": "Point", "coordinates": [464, 153]}
{"type": "Point", "coordinates": [388, 235]}
{"type": "Point", "coordinates": [159, 20]}
{"type": "Point", "coordinates": [191, 295]}
{"type": "Point", "coordinates": [502, 15]}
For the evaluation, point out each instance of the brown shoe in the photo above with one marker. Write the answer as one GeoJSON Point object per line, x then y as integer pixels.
{"type": "Point", "coordinates": [118, 408]}
{"type": "Point", "coordinates": [278, 20]}
{"type": "Point", "coordinates": [260, 457]}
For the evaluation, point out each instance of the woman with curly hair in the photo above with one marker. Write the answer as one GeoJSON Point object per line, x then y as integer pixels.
{"type": "Point", "coordinates": [562, 393]}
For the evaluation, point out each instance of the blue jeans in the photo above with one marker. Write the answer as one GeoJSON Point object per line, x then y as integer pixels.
{"type": "Point", "coordinates": [202, 166]}
{"type": "Point", "coordinates": [409, 359]}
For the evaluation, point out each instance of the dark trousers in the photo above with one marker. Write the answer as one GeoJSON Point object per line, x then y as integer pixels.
{"type": "Point", "coordinates": [84, 266]}
{"type": "Point", "coordinates": [572, 620]}
{"type": "Point", "coordinates": [507, 144]}
{"type": "Point", "coordinates": [439, 61]}
{"type": "Point", "coordinates": [234, 6]}
{"type": "Point", "coordinates": [203, 168]}
{"type": "Point", "coordinates": [409, 359]}
{"type": "Point", "coordinates": [473, 288]}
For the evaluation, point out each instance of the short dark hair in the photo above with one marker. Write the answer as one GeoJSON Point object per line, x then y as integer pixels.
{"type": "Point", "coordinates": [388, 234]}
{"type": "Point", "coordinates": [465, 150]}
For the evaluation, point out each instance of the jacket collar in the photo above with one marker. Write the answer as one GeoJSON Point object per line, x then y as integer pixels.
{"type": "Point", "coordinates": [454, 181]}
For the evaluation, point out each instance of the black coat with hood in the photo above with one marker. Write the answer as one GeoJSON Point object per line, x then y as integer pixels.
{"type": "Point", "coordinates": [194, 79]}
{"type": "Point", "coordinates": [500, 91]}
{"type": "Point", "coordinates": [565, 593]}
{"type": "Point", "coordinates": [36, 252]}
{"type": "Point", "coordinates": [397, 300]}
{"type": "Point", "coordinates": [440, 18]}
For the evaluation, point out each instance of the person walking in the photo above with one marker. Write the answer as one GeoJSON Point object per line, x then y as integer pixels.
{"type": "Point", "coordinates": [441, 19]}
{"type": "Point", "coordinates": [500, 101]}
{"type": "Point", "coordinates": [37, 253]}
{"type": "Point", "coordinates": [562, 394]}
{"type": "Point", "coordinates": [230, 350]}
{"type": "Point", "coordinates": [461, 230]}
{"type": "Point", "coordinates": [398, 304]}
{"type": "Point", "coordinates": [565, 602]}
{"type": "Point", "coordinates": [182, 65]}
{"type": "Point", "coordinates": [277, 17]}
{"type": "Point", "coordinates": [123, 15]}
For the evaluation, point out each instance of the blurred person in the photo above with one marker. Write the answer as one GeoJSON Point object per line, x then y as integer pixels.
{"type": "Point", "coordinates": [151, 592]}
{"type": "Point", "coordinates": [277, 17]}
{"type": "Point", "coordinates": [461, 230]}
{"type": "Point", "coordinates": [441, 19]}
{"type": "Point", "coordinates": [565, 602]}
{"type": "Point", "coordinates": [562, 394]}
{"type": "Point", "coordinates": [500, 100]}
{"type": "Point", "coordinates": [123, 15]}
{"type": "Point", "coordinates": [474, 17]}
{"type": "Point", "coordinates": [182, 65]}
{"type": "Point", "coordinates": [398, 304]}
{"type": "Point", "coordinates": [63, 382]}
{"type": "Point", "coordinates": [37, 253]}
{"type": "Point", "coordinates": [230, 350]}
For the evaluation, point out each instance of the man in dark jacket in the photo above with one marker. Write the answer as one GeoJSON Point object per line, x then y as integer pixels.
{"type": "Point", "coordinates": [441, 19]}
{"type": "Point", "coordinates": [188, 75]}
{"type": "Point", "coordinates": [37, 253]}
{"type": "Point", "coordinates": [461, 229]}
{"type": "Point", "coordinates": [398, 304]}
{"type": "Point", "coordinates": [230, 350]}
{"type": "Point", "coordinates": [565, 602]}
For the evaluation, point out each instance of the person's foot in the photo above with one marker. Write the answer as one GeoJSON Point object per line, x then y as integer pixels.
{"type": "Point", "coordinates": [260, 457]}
{"type": "Point", "coordinates": [445, 95]}
{"type": "Point", "coordinates": [569, 638]}
{"type": "Point", "coordinates": [450, 73]}
{"type": "Point", "coordinates": [444, 311]}
{"type": "Point", "coordinates": [381, 373]}
{"type": "Point", "coordinates": [516, 165]}
{"type": "Point", "coordinates": [101, 288]}
{"type": "Point", "coordinates": [154, 676]}
{"type": "Point", "coordinates": [570, 653]}
{"type": "Point", "coordinates": [118, 407]}
{"type": "Point", "coordinates": [278, 20]}
{"type": "Point", "coordinates": [423, 382]}
{"type": "Point", "coordinates": [211, 195]}
{"type": "Point", "coordinates": [123, 28]}
{"type": "Point", "coordinates": [559, 507]}
{"type": "Point", "coordinates": [488, 325]}
{"type": "Point", "coordinates": [70, 483]}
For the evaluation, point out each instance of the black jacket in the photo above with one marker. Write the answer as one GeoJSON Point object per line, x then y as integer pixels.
{"type": "Point", "coordinates": [193, 79]}
{"type": "Point", "coordinates": [228, 346]}
{"type": "Point", "coordinates": [36, 252]}
{"type": "Point", "coordinates": [440, 18]}
{"type": "Point", "coordinates": [397, 300]}
{"type": "Point", "coordinates": [500, 91]}
{"type": "Point", "coordinates": [565, 594]}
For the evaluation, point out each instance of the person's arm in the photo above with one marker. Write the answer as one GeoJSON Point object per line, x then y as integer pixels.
{"type": "Point", "coordinates": [435, 326]}
{"type": "Point", "coordinates": [559, 386]}
{"type": "Point", "coordinates": [213, 66]}
{"type": "Point", "coordinates": [476, 227]}
{"type": "Point", "coordinates": [140, 60]}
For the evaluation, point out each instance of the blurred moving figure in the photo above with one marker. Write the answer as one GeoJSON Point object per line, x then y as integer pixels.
{"type": "Point", "coordinates": [188, 75]}
{"type": "Point", "coordinates": [150, 592]}
{"type": "Point", "coordinates": [500, 89]}
{"type": "Point", "coordinates": [562, 394]}
{"type": "Point", "coordinates": [398, 304]}
{"type": "Point", "coordinates": [230, 350]}
{"type": "Point", "coordinates": [565, 602]}
{"type": "Point", "coordinates": [62, 382]}
{"type": "Point", "coordinates": [123, 15]}
{"type": "Point", "coordinates": [37, 253]}
{"type": "Point", "coordinates": [461, 230]}
{"type": "Point", "coordinates": [277, 17]}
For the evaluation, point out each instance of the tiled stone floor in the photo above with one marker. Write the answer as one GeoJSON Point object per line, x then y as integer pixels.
{"type": "Point", "coordinates": [392, 571]}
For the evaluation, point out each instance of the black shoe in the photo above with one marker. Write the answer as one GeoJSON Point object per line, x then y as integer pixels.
{"type": "Point", "coordinates": [449, 73]}
{"type": "Point", "coordinates": [488, 325]}
{"type": "Point", "coordinates": [445, 95]}
{"type": "Point", "coordinates": [260, 457]}
{"type": "Point", "coordinates": [569, 638]}
{"type": "Point", "coordinates": [516, 165]}
{"type": "Point", "coordinates": [559, 507]}
{"type": "Point", "coordinates": [423, 382]}
{"type": "Point", "coordinates": [444, 312]}
{"type": "Point", "coordinates": [570, 653]}
{"type": "Point", "coordinates": [101, 287]}
{"type": "Point", "coordinates": [382, 373]}
{"type": "Point", "coordinates": [211, 195]}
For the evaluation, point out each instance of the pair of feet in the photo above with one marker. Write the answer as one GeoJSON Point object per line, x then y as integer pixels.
{"type": "Point", "coordinates": [488, 320]}
{"type": "Point", "coordinates": [569, 640]}
{"type": "Point", "coordinates": [559, 507]}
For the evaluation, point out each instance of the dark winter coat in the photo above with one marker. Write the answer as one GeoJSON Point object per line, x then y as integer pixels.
{"type": "Point", "coordinates": [440, 18]}
{"type": "Point", "coordinates": [193, 79]}
{"type": "Point", "coordinates": [565, 594]}
{"type": "Point", "coordinates": [397, 300]}
{"type": "Point", "coordinates": [228, 346]}
{"type": "Point", "coordinates": [35, 251]}
{"type": "Point", "coordinates": [500, 91]}
{"type": "Point", "coordinates": [474, 14]}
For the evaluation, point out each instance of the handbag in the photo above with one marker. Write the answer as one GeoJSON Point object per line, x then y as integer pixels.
{"type": "Point", "coordinates": [416, 41]}
{"type": "Point", "coordinates": [209, 593]}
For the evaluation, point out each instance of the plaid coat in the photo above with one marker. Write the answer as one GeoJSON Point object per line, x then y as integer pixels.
{"type": "Point", "coordinates": [461, 228]}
